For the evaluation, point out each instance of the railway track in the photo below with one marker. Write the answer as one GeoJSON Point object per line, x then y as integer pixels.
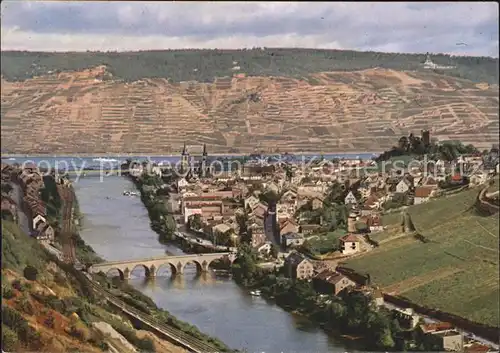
{"type": "Point", "coordinates": [193, 344]}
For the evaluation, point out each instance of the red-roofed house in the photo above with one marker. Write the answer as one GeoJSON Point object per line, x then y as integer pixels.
{"type": "Point", "coordinates": [422, 194]}
{"type": "Point", "coordinates": [289, 226]}
{"type": "Point", "coordinates": [349, 244]}
{"type": "Point", "coordinates": [374, 223]}
{"type": "Point", "coordinates": [331, 282]}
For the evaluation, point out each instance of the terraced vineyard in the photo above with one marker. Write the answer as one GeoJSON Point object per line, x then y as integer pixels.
{"type": "Point", "coordinates": [361, 111]}
{"type": "Point", "coordinates": [456, 272]}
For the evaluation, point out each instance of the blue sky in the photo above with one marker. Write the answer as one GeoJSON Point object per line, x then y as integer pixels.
{"type": "Point", "coordinates": [460, 28]}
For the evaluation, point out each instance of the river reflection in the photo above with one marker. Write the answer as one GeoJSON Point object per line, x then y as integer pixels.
{"type": "Point", "coordinates": [117, 227]}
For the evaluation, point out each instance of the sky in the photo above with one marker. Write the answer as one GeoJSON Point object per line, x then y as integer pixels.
{"type": "Point", "coordinates": [459, 28]}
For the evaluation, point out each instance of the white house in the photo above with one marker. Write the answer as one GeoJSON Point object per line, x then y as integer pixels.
{"type": "Point", "coordinates": [156, 170]}
{"type": "Point", "coordinates": [350, 199]}
{"type": "Point", "coordinates": [349, 244]}
{"type": "Point", "coordinates": [188, 211]}
{"type": "Point", "coordinates": [251, 202]}
{"type": "Point", "coordinates": [182, 183]}
{"type": "Point", "coordinates": [37, 220]}
{"type": "Point", "coordinates": [264, 249]}
{"type": "Point", "coordinates": [136, 170]}
{"type": "Point", "coordinates": [402, 187]}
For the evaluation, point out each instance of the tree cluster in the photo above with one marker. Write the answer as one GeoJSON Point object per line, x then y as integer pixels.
{"type": "Point", "coordinates": [352, 312]}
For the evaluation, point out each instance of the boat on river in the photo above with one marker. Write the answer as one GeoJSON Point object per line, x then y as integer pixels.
{"type": "Point", "coordinates": [130, 193]}
{"type": "Point", "coordinates": [255, 293]}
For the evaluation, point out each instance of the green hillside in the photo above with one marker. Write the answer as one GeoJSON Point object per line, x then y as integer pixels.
{"type": "Point", "coordinates": [204, 65]}
{"type": "Point", "coordinates": [51, 307]}
{"type": "Point", "coordinates": [455, 271]}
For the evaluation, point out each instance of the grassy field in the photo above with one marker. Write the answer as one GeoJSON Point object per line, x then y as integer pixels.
{"type": "Point", "coordinates": [324, 244]}
{"type": "Point", "coordinates": [456, 272]}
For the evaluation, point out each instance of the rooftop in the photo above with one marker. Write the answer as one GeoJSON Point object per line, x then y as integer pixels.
{"type": "Point", "coordinates": [349, 238]}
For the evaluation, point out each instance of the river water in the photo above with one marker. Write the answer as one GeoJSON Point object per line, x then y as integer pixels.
{"type": "Point", "coordinates": [117, 227]}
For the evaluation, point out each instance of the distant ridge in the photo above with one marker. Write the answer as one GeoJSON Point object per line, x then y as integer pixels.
{"type": "Point", "coordinates": [203, 65]}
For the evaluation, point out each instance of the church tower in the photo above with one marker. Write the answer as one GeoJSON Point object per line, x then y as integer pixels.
{"type": "Point", "coordinates": [184, 160]}
{"type": "Point", "coordinates": [204, 166]}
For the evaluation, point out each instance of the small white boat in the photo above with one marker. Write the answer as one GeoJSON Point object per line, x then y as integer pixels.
{"type": "Point", "coordinates": [255, 293]}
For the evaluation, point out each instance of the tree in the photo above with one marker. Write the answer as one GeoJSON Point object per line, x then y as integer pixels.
{"type": "Point", "coordinates": [30, 273]}
{"type": "Point", "coordinates": [9, 339]}
{"type": "Point", "coordinates": [274, 251]}
{"type": "Point", "coordinates": [242, 220]}
{"type": "Point", "coordinates": [245, 265]}
{"type": "Point", "coordinates": [6, 188]}
{"type": "Point", "coordinates": [195, 222]}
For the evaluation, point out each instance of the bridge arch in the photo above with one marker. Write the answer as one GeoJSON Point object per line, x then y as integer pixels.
{"type": "Point", "coordinates": [147, 271]}
{"type": "Point", "coordinates": [197, 263]}
{"type": "Point", "coordinates": [169, 265]}
{"type": "Point", "coordinates": [121, 273]}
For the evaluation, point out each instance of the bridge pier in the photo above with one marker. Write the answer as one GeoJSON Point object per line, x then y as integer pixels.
{"type": "Point", "coordinates": [152, 272]}
{"type": "Point", "coordinates": [179, 269]}
{"type": "Point", "coordinates": [126, 274]}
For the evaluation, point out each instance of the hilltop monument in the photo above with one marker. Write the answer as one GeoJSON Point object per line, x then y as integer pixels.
{"type": "Point", "coordinates": [429, 64]}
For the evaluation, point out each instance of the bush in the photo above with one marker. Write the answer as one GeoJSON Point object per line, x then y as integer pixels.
{"type": "Point", "coordinates": [16, 284]}
{"type": "Point", "coordinates": [146, 344]}
{"type": "Point", "coordinates": [30, 273]}
{"type": "Point", "coordinates": [9, 339]}
{"type": "Point", "coordinates": [79, 331]}
{"type": "Point", "coordinates": [13, 319]}
{"type": "Point", "coordinates": [24, 305]}
{"type": "Point", "coordinates": [7, 291]}
{"type": "Point", "coordinates": [60, 279]}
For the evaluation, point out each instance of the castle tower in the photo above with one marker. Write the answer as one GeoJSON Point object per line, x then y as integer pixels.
{"type": "Point", "coordinates": [426, 137]}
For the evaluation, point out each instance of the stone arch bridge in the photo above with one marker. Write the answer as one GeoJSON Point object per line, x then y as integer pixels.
{"type": "Point", "coordinates": [152, 265]}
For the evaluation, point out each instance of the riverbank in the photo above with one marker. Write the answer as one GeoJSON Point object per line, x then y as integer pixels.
{"type": "Point", "coordinates": [138, 300]}
{"type": "Point", "coordinates": [118, 155]}
{"type": "Point", "coordinates": [162, 221]}
{"type": "Point", "coordinates": [352, 316]}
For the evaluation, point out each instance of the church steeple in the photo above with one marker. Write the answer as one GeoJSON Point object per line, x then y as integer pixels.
{"type": "Point", "coordinates": [184, 160]}
{"type": "Point", "coordinates": [204, 168]}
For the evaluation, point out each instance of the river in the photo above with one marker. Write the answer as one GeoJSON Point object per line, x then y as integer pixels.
{"type": "Point", "coordinates": [117, 228]}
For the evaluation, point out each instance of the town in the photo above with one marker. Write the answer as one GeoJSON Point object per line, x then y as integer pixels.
{"type": "Point", "coordinates": [303, 220]}
{"type": "Point", "coordinates": [249, 178]}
